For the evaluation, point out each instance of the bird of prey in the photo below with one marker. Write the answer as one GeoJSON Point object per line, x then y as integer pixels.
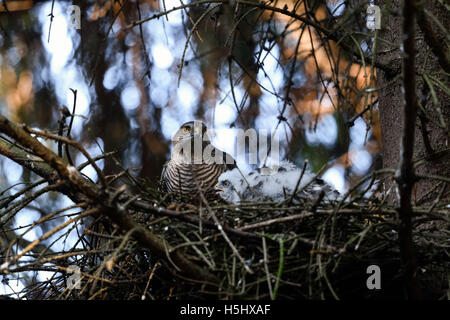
{"type": "Point", "coordinates": [195, 164]}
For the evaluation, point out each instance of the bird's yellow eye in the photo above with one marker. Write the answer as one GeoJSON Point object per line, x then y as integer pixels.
{"type": "Point", "coordinates": [185, 130]}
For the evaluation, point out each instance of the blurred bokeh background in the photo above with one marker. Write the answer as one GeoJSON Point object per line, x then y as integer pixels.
{"type": "Point", "coordinates": [241, 68]}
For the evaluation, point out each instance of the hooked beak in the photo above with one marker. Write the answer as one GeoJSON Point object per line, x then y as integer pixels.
{"type": "Point", "coordinates": [218, 190]}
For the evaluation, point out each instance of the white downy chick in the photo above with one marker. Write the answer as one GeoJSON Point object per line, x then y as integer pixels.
{"type": "Point", "coordinates": [271, 184]}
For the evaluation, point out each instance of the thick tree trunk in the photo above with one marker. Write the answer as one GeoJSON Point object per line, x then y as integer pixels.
{"type": "Point", "coordinates": [432, 132]}
{"type": "Point", "coordinates": [430, 143]}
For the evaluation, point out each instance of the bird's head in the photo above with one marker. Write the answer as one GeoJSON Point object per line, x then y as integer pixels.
{"type": "Point", "coordinates": [191, 130]}
{"type": "Point", "coordinates": [189, 142]}
{"type": "Point", "coordinates": [231, 184]}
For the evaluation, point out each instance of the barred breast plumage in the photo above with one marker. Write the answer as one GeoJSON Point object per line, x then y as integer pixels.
{"type": "Point", "coordinates": [188, 174]}
{"type": "Point", "coordinates": [188, 178]}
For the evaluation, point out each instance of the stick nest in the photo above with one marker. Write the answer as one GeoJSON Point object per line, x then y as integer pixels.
{"type": "Point", "coordinates": [288, 250]}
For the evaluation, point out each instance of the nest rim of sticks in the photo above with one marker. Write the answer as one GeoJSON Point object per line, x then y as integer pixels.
{"type": "Point", "coordinates": [265, 250]}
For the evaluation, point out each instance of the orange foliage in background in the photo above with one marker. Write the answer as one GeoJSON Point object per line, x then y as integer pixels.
{"type": "Point", "coordinates": [327, 71]}
{"type": "Point", "coordinates": [18, 91]}
{"type": "Point", "coordinates": [100, 10]}
{"type": "Point", "coordinates": [19, 5]}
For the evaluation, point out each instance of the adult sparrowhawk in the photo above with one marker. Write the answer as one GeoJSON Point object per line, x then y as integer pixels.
{"type": "Point", "coordinates": [195, 164]}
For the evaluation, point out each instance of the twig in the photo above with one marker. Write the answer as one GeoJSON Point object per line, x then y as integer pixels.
{"type": "Point", "coordinates": [220, 228]}
{"type": "Point", "coordinates": [266, 267]}
{"type": "Point", "coordinates": [69, 129]}
{"type": "Point", "coordinates": [152, 273]}
{"type": "Point", "coordinates": [405, 176]}
{"type": "Point", "coordinates": [298, 182]}
{"type": "Point", "coordinates": [437, 46]}
{"type": "Point", "coordinates": [277, 220]}
{"type": "Point", "coordinates": [75, 144]}
{"type": "Point", "coordinates": [51, 21]}
{"type": "Point", "coordinates": [102, 44]}
{"type": "Point", "coordinates": [280, 269]}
